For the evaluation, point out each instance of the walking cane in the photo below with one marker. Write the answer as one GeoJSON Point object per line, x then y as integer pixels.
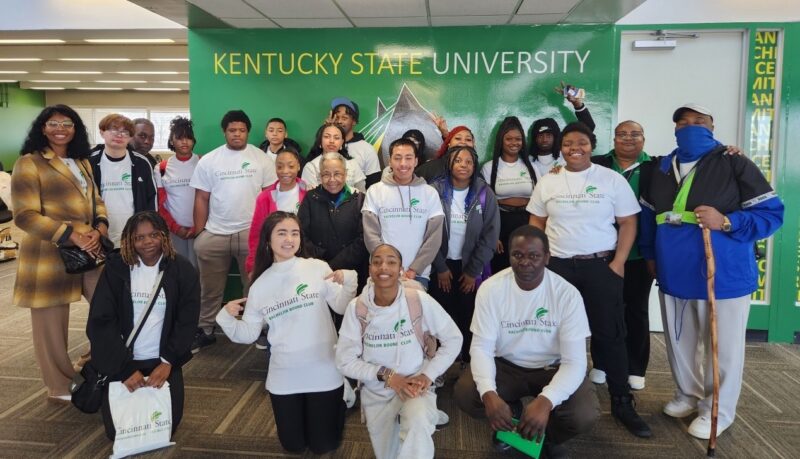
{"type": "Point", "coordinates": [712, 312]}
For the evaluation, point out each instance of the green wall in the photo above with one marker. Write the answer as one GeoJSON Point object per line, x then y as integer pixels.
{"type": "Point", "coordinates": [15, 119]}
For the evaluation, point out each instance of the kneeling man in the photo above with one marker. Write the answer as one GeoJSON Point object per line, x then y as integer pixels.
{"type": "Point", "coordinates": [529, 339]}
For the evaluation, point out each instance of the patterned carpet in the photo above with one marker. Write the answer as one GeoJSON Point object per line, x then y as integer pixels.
{"type": "Point", "coordinates": [228, 413]}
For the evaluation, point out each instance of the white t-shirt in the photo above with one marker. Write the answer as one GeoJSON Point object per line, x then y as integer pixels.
{"type": "Point", "coordinates": [288, 201]}
{"type": "Point", "coordinates": [458, 224]}
{"type": "Point", "coordinates": [175, 181]}
{"type": "Point", "coordinates": [148, 343]}
{"type": "Point", "coordinates": [365, 155]}
{"type": "Point", "coordinates": [544, 163]}
{"type": "Point", "coordinates": [403, 212]}
{"type": "Point", "coordinates": [513, 179]}
{"type": "Point", "coordinates": [355, 174]}
{"type": "Point", "coordinates": [76, 171]}
{"type": "Point", "coordinates": [581, 208]}
{"type": "Point", "coordinates": [234, 178]}
{"type": "Point", "coordinates": [292, 297]}
{"type": "Point", "coordinates": [116, 188]}
{"type": "Point", "coordinates": [531, 329]}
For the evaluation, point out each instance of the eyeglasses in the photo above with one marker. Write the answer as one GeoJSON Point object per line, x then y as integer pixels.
{"type": "Point", "coordinates": [335, 175]}
{"type": "Point", "coordinates": [119, 132]}
{"type": "Point", "coordinates": [628, 135]}
{"type": "Point", "coordinates": [66, 124]}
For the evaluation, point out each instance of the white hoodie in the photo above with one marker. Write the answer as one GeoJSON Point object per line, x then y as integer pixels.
{"type": "Point", "coordinates": [389, 341]}
{"type": "Point", "coordinates": [292, 297]}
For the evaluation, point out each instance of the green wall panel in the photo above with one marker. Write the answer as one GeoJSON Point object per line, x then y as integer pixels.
{"type": "Point", "coordinates": [16, 119]}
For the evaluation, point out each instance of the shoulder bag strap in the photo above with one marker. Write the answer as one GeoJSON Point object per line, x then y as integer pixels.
{"type": "Point", "coordinates": [143, 316]}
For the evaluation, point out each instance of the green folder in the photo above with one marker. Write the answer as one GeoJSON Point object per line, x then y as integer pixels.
{"type": "Point", "coordinates": [513, 439]}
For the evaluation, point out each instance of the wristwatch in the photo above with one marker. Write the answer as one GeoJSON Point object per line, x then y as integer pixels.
{"type": "Point", "coordinates": [383, 372]}
{"type": "Point", "coordinates": [726, 224]}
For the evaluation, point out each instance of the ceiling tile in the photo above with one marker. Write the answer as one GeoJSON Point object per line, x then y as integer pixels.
{"type": "Point", "coordinates": [313, 23]}
{"type": "Point", "coordinates": [228, 9]}
{"type": "Point", "coordinates": [468, 20]}
{"type": "Point", "coordinates": [391, 22]}
{"type": "Point", "coordinates": [472, 7]}
{"type": "Point", "coordinates": [538, 18]}
{"type": "Point", "coordinates": [546, 6]}
{"type": "Point", "coordinates": [383, 8]}
{"type": "Point", "coordinates": [308, 9]}
{"type": "Point", "coordinates": [262, 23]}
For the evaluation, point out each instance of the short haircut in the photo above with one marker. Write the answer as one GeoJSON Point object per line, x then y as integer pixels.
{"type": "Point", "coordinates": [577, 126]}
{"type": "Point", "coordinates": [394, 249]}
{"type": "Point", "coordinates": [400, 142]}
{"type": "Point", "coordinates": [236, 116]}
{"type": "Point", "coordinates": [630, 122]}
{"type": "Point", "coordinates": [115, 120]}
{"type": "Point", "coordinates": [276, 120]}
{"type": "Point", "coordinates": [289, 151]}
{"type": "Point", "coordinates": [347, 109]}
{"type": "Point", "coordinates": [529, 231]}
{"type": "Point", "coordinates": [138, 121]}
{"type": "Point", "coordinates": [332, 156]}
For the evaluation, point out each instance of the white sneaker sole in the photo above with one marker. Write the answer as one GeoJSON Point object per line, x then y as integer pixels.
{"type": "Point", "coordinates": [678, 414]}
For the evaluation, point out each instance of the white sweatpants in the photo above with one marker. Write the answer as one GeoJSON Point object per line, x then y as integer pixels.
{"type": "Point", "coordinates": [688, 339]}
{"type": "Point", "coordinates": [411, 438]}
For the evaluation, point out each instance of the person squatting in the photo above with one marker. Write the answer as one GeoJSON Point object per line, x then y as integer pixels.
{"type": "Point", "coordinates": [370, 283]}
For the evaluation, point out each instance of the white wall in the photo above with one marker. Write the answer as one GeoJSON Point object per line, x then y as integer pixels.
{"type": "Point", "coordinates": [712, 11]}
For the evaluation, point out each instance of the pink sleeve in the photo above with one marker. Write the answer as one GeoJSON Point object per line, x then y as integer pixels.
{"type": "Point", "coordinates": [259, 215]}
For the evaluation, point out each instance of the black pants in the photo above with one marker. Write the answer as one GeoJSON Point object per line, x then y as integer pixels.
{"type": "Point", "coordinates": [175, 381]}
{"type": "Point", "coordinates": [313, 420]}
{"type": "Point", "coordinates": [459, 305]}
{"type": "Point", "coordinates": [574, 416]}
{"type": "Point", "coordinates": [509, 221]}
{"type": "Point", "coordinates": [601, 289]}
{"type": "Point", "coordinates": [636, 296]}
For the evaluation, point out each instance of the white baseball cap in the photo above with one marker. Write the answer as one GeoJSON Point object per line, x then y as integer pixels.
{"type": "Point", "coordinates": [693, 107]}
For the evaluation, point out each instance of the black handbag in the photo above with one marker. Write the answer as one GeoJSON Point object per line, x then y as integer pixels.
{"type": "Point", "coordinates": [87, 387]}
{"type": "Point", "coordinates": [76, 261]}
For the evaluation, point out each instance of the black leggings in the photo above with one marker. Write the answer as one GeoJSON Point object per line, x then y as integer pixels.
{"type": "Point", "coordinates": [313, 420]}
{"type": "Point", "coordinates": [509, 221]}
{"type": "Point", "coordinates": [459, 305]}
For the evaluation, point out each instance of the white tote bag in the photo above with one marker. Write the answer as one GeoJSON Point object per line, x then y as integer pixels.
{"type": "Point", "coordinates": [142, 418]}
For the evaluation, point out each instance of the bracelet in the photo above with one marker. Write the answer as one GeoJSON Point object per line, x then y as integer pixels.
{"type": "Point", "coordinates": [389, 379]}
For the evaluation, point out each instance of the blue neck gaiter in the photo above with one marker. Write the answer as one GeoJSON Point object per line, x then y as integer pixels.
{"type": "Point", "coordinates": [694, 142]}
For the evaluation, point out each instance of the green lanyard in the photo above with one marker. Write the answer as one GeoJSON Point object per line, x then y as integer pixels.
{"type": "Point", "coordinates": [678, 214]}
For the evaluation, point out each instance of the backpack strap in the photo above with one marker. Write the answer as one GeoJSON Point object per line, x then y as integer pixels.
{"type": "Point", "coordinates": [361, 315]}
{"type": "Point", "coordinates": [415, 313]}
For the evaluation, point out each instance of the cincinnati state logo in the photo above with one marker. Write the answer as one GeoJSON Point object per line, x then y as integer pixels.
{"type": "Point", "coordinates": [245, 164]}
{"type": "Point", "coordinates": [591, 189]}
{"type": "Point", "coordinates": [413, 202]}
{"type": "Point", "coordinates": [154, 417]}
{"type": "Point", "coordinates": [541, 312]}
{"type": "Point", "coordinates": [399, 325]}
{"type": "Point", "coordinates": [126, 177]}
{"type": "Point", "coordinates": [523, 173]}
{"type": "Point", "coordinates": [300, 289]}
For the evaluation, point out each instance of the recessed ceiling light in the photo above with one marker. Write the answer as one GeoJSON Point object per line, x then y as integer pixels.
{"type": "Point", "coordinates": [98, 41]}
{"type": "Point", "coordinates": [174, 82]}
{"type": "Point", "coordinates": [92, 88]}
{"type": "Point", "coordinates": [148, 72]}
{"type": "Point", "coordinates": [72, 72]}
{"type": "Point", "coordinates": [121, 81]}
{"type": "Point", "coordinates": [169, 59]}
{"type": "Point", "coordinates": [55, 81]}
{"type": "Point", "coordinates": [46, 88]}
{"type": "Point", "coordinates": [158, 89]}
{"type": "Point", "coordinates": [12, 72]}
{"type": "Point", "coordinates": [20, 59]}
{"type": "Point", "coordinates": [33, 41]}
{"type": "Point", "coordinates": [95, 59]}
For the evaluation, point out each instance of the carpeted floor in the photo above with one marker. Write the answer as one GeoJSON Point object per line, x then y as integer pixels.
{"type": "Point", "coordinates": [228, 413]}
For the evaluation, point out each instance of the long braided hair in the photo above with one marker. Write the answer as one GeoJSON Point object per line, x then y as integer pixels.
{"type": "Point", "coordinates": [510, 123]}
{"type": "Point", "coordinates": [128, 250]}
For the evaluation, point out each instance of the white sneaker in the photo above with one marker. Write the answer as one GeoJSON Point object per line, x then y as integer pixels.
{"type": "Point", "coordinates": [349, 395]}
{"type": "Point", "coordinates": [64, 398]}
{"type": "Point", "coordinates": [636, 382]}
{"type": "Point", "coordinates": [597, 376]}
{"type": "Point", "coordinates": [680, 407]}
{"type": "Point", "coordinates": [701, 428]}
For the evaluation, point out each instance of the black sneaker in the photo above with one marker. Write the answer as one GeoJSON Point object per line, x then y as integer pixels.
{"type": "Point", "coordinates": [552, 450]}
{"type": "Point", "coordinates": [623, 410]}
{"type": "Point", "coordinates": [262, 343]}
{"type": "Point", "coordinates": [202, 339]}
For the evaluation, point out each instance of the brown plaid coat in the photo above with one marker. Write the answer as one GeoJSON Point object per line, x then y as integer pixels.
{"type": "Point", "coordinates": [47, 199]}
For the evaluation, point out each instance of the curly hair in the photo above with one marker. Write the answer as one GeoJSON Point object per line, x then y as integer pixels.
{"type": "Point", "coordinates": [78, 147]}
{"type": "Point", "coordinates": [128, 250]}
{"type": "Point", "coordinates": [510, 123]}
{"type": "Point", "coordinates": [264, 256]}
{"type": "Point", "coordinates": [180, 128]}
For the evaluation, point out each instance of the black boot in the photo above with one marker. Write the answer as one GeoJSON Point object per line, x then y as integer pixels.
{"type": "Point", "coordinates": [622, 409]}
{"type": "Point", "coordinates": [552, 450]}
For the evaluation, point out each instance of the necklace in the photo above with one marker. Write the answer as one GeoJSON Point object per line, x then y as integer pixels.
{"type": "Point", "coordinates": [583, 187]}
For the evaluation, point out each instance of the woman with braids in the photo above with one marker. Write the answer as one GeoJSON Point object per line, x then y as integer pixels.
{"type": "Point", "coordinates": [330, 139]}
{"type": "Point", "coordinates": [163, 344]}
{"type": "Point", "coordinates": [292, 295]}
{"type": "Point", "coordinates": [511, 177]}
{"type": "Point", "coordinates": [175, 196]}
{"type": "Point", "coordinates": [53, 192]}
{"type": "Point", "coordinates": [460, 136]}
{"type": "Point", "coordinates": [471, 228]}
